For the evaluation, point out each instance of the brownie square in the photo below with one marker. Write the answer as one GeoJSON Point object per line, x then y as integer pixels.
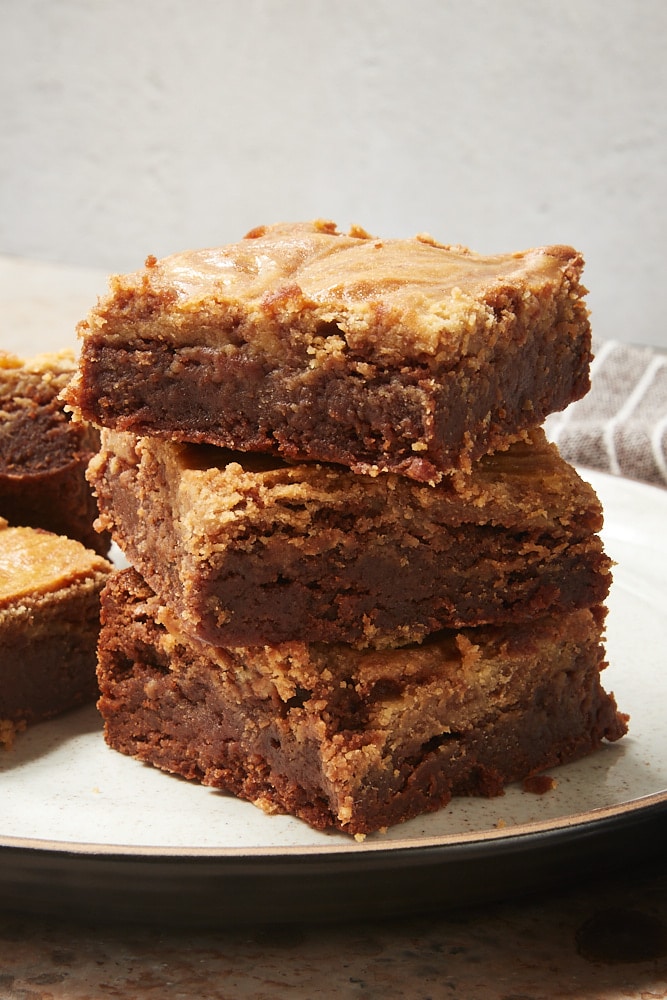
{"type": "Point", "coordinates": [49, 623]}
{"type": "Point", "coordinates": [407, 356]}
{"type": "Point", "coordinates": [352, 739]}
{"type": "Point", "coordinates": [249, 549]}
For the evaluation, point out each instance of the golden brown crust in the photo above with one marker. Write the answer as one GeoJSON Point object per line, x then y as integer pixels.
{"type": "Point", "coordinates": [34, 563]}
{"type": "Point", "coordinates": [353, 739]}
{"type": "Point", "coordinates": [407, 356]}
{"type": "Point", "coordinates": [249, 549]}
{"type": "Point", "coordinates": [385, 300]}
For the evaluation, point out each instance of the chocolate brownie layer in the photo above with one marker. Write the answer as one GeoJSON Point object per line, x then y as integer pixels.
{"type": "Point", "coordinates": [43, 453]}
{"type": "Point", "coordinates": [49, 624]}
{"type": "Point", "coordinates": [250, 550]}
{"type": "Point", "coordinates": [353, 739]}
{"type": "Point", "coordinates": [384, 355]}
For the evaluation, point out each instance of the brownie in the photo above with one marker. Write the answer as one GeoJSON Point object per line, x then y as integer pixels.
{"type": "Point", "coordinates": [407, 356]}
{"type": "Point", "coordinates": [352, 739]}
{"type": "Point", "coordinates": [49, 624]}
{"type": "Point", "coordinates": [249, 549]}
{"type": "Point", "coordinates": [43, 452]}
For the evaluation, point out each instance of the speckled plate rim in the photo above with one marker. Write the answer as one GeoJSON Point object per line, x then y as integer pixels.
{"type": "Point", "coordinates": [654, 804]}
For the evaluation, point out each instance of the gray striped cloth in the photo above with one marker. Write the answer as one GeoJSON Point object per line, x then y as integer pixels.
{"type": "Point", "coordinates": [620, 427]}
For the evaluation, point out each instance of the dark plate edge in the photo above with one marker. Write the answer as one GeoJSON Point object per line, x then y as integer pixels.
{"type": "Point", "coordinates": [208, 890]}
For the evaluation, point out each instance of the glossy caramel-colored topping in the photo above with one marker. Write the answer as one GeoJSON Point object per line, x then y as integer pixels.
{"type": "Point", "coordinates": [334, 293]}
{"type": "Point", "coordinates": [34, 562]}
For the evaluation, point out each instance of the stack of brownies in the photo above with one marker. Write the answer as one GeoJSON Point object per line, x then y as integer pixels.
{"type": "Point", "coordinates": [361, 580]}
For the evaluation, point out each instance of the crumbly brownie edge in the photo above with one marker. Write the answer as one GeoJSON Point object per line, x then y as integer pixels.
{"type": "Point", "coordinates": [160, 706]}
{"type": "Point", "coordinates": [408, 420]}
{"type": "Point", "coordinates": [256, 580]}
{"type": "Point", "coordinates": [297, 287]}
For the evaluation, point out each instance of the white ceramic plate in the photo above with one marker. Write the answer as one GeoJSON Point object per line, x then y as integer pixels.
{"type": "Point", "coordinates": [65, 795]}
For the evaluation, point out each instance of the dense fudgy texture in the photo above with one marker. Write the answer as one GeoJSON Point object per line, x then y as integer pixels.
{"type": "Point", "coordinates": [398, 355]}
{"type": "Point", "coordinates": [248, 550]}
{"type": "Point", "coordinates": [43, 453]}
{"type": "Point", "coordinates": [352, 739]}
{"type": "Point", "coordinates": [49, 624]}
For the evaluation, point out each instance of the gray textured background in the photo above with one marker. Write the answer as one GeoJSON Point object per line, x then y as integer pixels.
{"type": "Point", "coordinates": [149, 126]}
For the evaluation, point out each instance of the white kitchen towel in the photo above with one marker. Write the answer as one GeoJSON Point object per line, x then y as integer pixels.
{"type": "Point", "coordinates": [620, 426]}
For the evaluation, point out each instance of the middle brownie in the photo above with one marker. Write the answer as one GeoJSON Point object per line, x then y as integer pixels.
{"type": "Point", "coordinates": [248, 549]}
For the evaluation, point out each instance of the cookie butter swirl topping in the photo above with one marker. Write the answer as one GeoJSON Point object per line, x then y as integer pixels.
{"type": "Point", "coordinates": [298, 285]}
{"type": "Point", "coordinates": [38, 562]}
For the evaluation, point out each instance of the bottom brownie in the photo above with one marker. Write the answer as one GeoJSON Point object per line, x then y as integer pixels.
{"type": "Point", "coordinates": [346, 738]}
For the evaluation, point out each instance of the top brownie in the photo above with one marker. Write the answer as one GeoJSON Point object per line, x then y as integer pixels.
{"type": "Point", "coordinates": [407, 356]}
